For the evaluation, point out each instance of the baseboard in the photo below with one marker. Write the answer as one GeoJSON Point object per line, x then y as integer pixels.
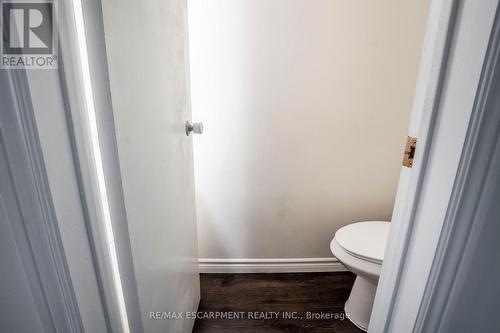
{"type": "Point", "coordinates": [288, 265]}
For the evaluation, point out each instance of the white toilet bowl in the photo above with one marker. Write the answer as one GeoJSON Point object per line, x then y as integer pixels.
{"type": "Point", "coordinates": [360, 248]}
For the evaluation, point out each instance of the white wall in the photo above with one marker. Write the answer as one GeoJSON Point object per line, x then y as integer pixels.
{"type": "Point", "coordinates": [306, 107]}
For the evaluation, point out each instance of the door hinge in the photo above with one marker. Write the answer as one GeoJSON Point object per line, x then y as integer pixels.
{"type": "Point", "coordinates": [411, 145]}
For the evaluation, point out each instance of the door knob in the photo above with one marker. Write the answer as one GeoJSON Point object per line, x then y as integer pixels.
{"type": "Point", "coordinates": [196, 128]}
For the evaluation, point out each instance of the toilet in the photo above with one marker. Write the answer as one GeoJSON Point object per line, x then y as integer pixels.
{"type": "Point", "coordinates": [360, 248]}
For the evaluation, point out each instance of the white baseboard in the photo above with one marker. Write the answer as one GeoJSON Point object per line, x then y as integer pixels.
{"type": "Point", "coordinates": [288, 265]}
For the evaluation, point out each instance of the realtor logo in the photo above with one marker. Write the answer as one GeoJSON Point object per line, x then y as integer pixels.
{"type": "Point", "coordinates": [29, 34]}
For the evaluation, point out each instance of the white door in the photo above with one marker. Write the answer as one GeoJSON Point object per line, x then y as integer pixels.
{"type": "Point", "coordinates": [146, 44]}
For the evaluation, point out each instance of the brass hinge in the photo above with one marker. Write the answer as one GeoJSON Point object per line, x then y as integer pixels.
{"type": "Point", "coordinates": [411, 145]}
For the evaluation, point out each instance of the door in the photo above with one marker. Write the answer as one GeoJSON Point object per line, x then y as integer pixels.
{"type": "Point", "coordinates": [112, 128]}
{"type": "Point", "coordinates": [146, 44]}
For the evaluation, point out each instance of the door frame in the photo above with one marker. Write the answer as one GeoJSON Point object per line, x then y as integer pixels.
{"type": "Point", "coordinates": [99, 178]}
{"type": "Point", "coordinates": [36, 233]}
{"type": "Point", "coordinates": [443, 32]}
{"type": "Point", "coordinates": [473, 195]}
{"type": "Point", "coordinates": [429, 85]}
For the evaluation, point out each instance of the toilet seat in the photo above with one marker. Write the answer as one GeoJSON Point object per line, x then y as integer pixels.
{"type": "Point", "coordinates": [364, 240]}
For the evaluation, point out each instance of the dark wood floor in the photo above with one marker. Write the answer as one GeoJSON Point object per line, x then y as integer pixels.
{"type": "Point", "coordinates": [292, 294]}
